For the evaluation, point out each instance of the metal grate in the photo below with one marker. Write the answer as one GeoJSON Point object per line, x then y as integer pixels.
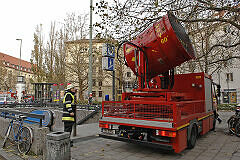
{"type": "Point", "coordinates": [138, 111]}
{"type": "Point", "coordinates": [155, 111]}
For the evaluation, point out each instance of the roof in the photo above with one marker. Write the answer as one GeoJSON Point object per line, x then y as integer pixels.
{"type": "Point", "coordinates": [13, 62]}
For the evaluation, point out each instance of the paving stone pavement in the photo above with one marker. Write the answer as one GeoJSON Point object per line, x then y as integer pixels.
{"type": "Point", "coordinates": [217, 145]}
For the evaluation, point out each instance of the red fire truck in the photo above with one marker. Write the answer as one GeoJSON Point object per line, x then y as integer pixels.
{"type": "Point", "coordinates": [166, 110]}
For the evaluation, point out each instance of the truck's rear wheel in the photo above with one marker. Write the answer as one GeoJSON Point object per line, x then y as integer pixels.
{"type": "Point", "coordinates": [237, 129]}
{"type": "Point", "coordinates": [193, 137]}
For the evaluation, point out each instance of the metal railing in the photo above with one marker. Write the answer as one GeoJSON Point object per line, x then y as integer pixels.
{"type": "Point", "coordinates": [55, 105]}
{"type": "Point", "coordinates": [96, 110]}
{"type": "Point", "coordinates": [5, 114]}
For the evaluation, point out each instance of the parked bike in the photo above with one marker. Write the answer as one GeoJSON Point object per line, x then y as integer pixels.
{"type": "Point", "coordinates": [234, 122]}
{"type": "Point", "coordinates": [21, 135]}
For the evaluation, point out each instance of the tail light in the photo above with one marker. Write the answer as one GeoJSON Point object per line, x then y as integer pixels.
{"type": "Point", "coordinates": [103, 125]}
{"type": "Point", "coordinates": [165, 133]}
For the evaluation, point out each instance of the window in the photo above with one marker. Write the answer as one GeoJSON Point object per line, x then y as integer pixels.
{"type": "Point", "coordinates": [100, 71]}
{"type": "Point", "coordinates": [128, 74]}
{"type": "Point", "coordinates": [100, 83]}
{"type": "Point", "coordinates": [119, 91]}
{"type": "Point", "coordinates": [94, 69]}
{"type": "Point", "coordinates": [99, 93]}
{"type": "Point", "coordinates": [94, 82]}
{"type": "Point", "coordinates": [94, 93]}
{"type": "Point", "coordinates": [128, 84]}
{"type": "Point", "coordinates": [229, 76]}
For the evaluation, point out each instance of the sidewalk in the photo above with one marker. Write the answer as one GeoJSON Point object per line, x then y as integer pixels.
{"type": "Point", "coordinates": [217, 145]}
{"type": "Point", "coordinates": [84, 132]}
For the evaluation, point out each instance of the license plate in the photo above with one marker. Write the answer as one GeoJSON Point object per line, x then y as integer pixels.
{"type": "Point", "coordinates": [109, 131]}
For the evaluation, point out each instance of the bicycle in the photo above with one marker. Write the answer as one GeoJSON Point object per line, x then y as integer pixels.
{"type": "Point", "coordinates": [21, 135]}
{"type": "Point", "coordinates": [234, 122]}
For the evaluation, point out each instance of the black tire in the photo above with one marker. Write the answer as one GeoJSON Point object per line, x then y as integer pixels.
{"type": "Point", "coordinates": [193, 137]}
{"type": "Point", "coordinates": [25, 140]}
{"type": "Point", "coordinates": [237, 129]}
{"type": "Point", "coordinates": [6, 136]}
{"type": "Point", "coordinates": [232, 124]}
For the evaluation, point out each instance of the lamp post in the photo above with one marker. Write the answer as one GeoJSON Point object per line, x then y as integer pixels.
{"type": "Point", "coordinates": [20, 55]}
{"type": "Point", "coordinates": [90, 53]}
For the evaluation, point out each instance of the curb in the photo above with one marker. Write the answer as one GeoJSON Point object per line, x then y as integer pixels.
{"type": "Point", "coordinates": [81, 139]}
{"type": "Point", "coordinates": [8, 156]}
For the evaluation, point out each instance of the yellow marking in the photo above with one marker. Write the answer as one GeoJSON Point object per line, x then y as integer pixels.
{"type": "Point", "coordinates": [133, 59]}
{"type": "Point", "coordinates": [158, 30]}
{"type": "Point", "coordinates": [185, 125]}
{"type": "Point", "coordinates": [198, 77]}
{"type": "Point", "coordinates": [68, 118]}
{"type": "Point", "coordinates": [154, 51]}
{"type": "Point", "coordinates": [68, 105]}
{"type": "Point", "coordinates": [129, 49]}
{"type": "Point", "coordinates": [164, 40]}
{"type": "Point", "coordinates": [160, 35]}
{"type": "Point", "coordinates": [157, 26]}
{"type": "Point", "coordinates": [205, 117]}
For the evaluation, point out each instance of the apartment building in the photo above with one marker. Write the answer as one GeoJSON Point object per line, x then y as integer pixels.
{"type": "Point", "coordinates": [225, 72]}
{"type": "Point", "coordinates": [77, 58]}
{"type": "Point", "coordinates": [229, 79]}
{"type": "Point", "coordinates": [9, 70]}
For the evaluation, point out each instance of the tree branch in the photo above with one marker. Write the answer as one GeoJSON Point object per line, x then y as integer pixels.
{"type": "Point", "coordinates": [223, 60]}
{"type": "Point", "coordinates": [211, 20]}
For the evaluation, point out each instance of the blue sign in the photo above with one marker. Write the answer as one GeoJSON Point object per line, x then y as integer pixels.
{"type": "Point", "coordinates": [108, 63]}
{"type": "Point", "coordinates": [108, 50]}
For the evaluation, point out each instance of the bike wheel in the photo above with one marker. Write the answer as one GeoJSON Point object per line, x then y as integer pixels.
{"type": "Point", "coordinates": [232, 124]}
{"type": "Point", "coordinates": [25, 140]}
{"type": "Point", "coordinates": [237, 129]}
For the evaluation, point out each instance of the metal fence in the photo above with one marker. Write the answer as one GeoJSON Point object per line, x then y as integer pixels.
{"type": "Point", "coordinates": [7, 113]}
{"type": "Point", "coordinates": [54, 105]}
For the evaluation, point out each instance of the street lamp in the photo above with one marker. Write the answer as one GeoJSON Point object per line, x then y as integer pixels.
{"type": "Point", "coordinates": [20, 55]}
{"type": "Point", "coordinates": [90, 53]}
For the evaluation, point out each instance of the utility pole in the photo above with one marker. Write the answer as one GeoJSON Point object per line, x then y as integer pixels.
{"type": "Point", "coordinates": [90, 53]}
{"type": "Point", "coordinates": [20, 56]}
{"type": "Point", "coordinates": [113, 81]}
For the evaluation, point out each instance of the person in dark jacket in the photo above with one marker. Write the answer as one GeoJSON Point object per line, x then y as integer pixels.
{"type": "Point", "coordinates": [69, 108]}
{"type": "Point", "coordinates": [216, 115]}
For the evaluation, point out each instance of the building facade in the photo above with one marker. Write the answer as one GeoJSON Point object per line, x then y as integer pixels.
{"type": "Point", "coordinates": [77, 64]}
{"type": "Point", "coordinates": [9, 70]}
{"type": "Point", "coordinates": [229, 79]}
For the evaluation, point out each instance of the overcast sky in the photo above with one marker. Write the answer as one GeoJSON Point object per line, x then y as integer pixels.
{"type": "Point", "coordinates": [19, 18]}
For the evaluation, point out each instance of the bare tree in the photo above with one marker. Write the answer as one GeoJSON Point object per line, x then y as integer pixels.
{"type": "Point", "coordinates": [37, 59]}
{"type": "Point", "coordinates": [48, 61]}
{"type": "Point", "coordinates": [76, 51]}
{"type": "Point", "coordinates": [77, 65]}
{"type": "Point", "coordinates": [203, 19]}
